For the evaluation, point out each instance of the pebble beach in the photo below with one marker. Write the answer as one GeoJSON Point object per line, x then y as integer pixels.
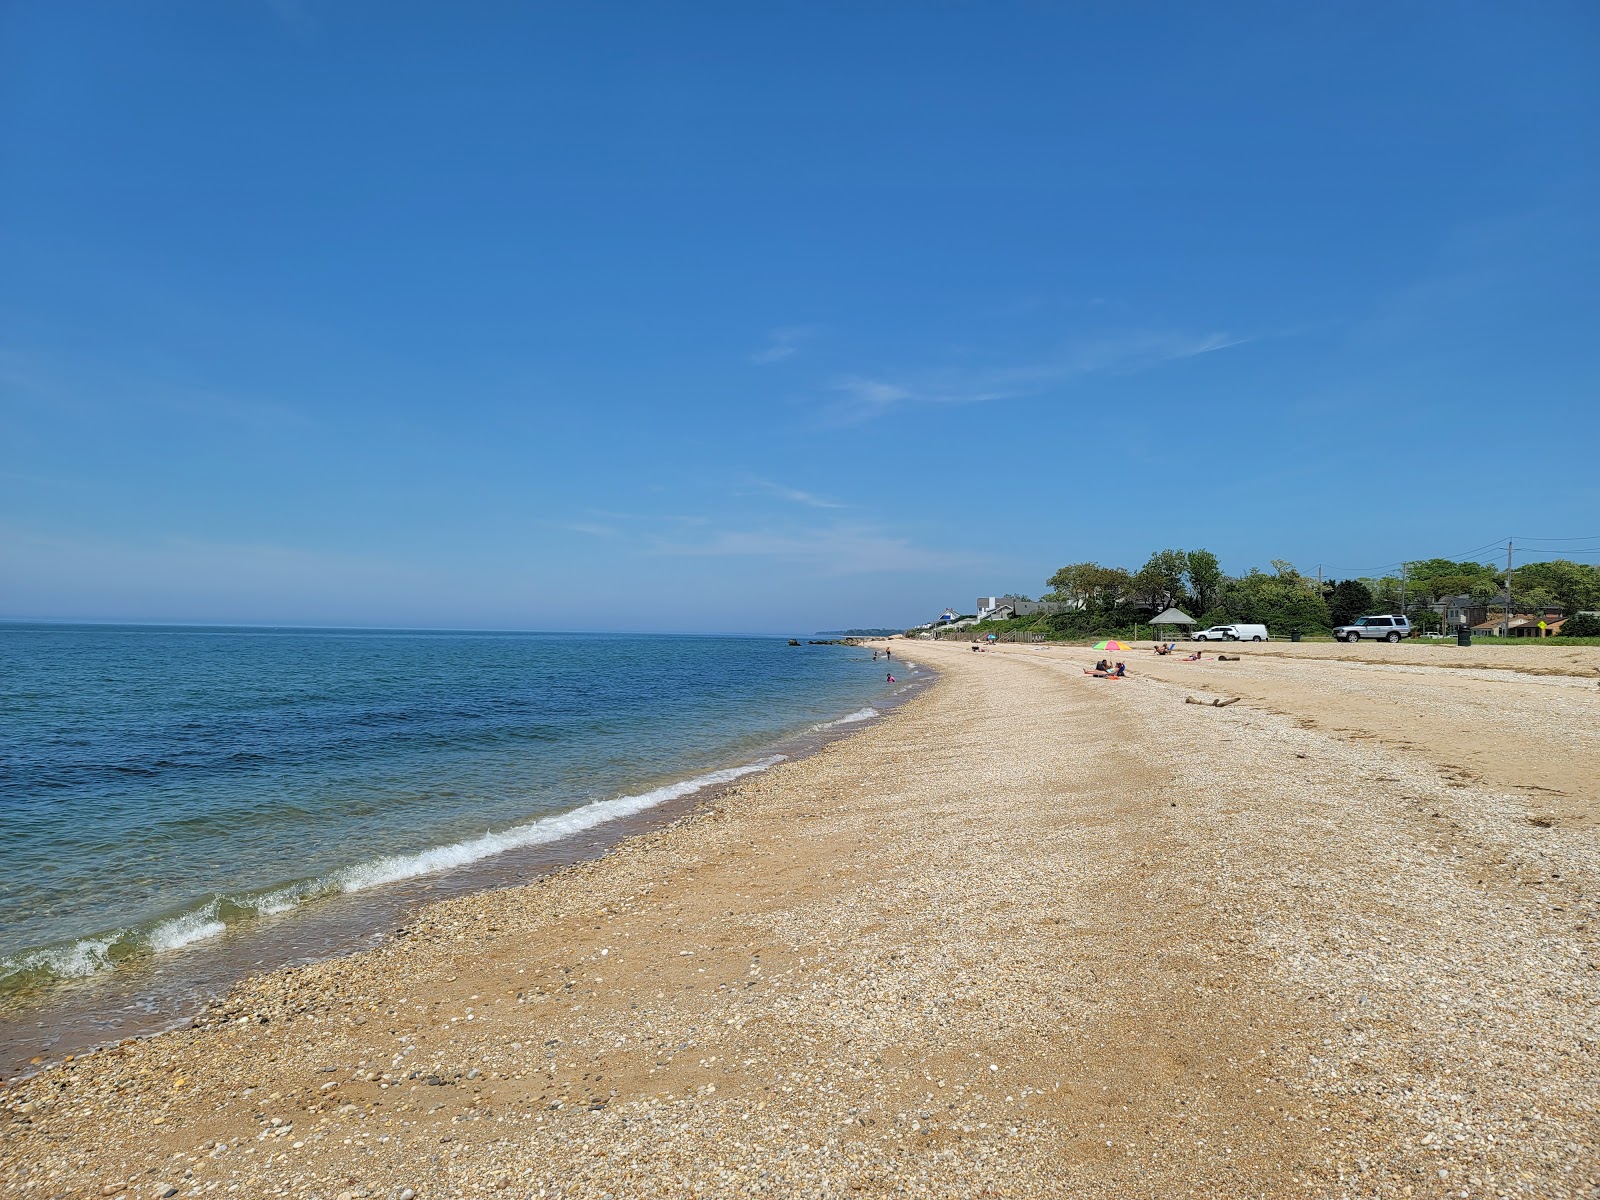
{"type": "Point", "coordinates": [1030, 934]}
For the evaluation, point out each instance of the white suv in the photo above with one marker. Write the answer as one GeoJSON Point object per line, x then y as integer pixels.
{"type": "Point", "coordinates": [1388, 629]}
{"type": "Point", "coordinates": [1232, 633]}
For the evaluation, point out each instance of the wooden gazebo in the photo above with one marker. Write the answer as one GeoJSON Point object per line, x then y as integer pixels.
{"type": "Point", "coordinates": [1173, 616]}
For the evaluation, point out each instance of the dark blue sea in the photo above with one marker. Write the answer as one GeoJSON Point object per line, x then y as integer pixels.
{"type": "Point", "coordinates": [162, 788]}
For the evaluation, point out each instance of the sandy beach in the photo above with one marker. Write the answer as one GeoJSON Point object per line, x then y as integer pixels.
{"type": "Point", "coordinates": [1032, 934]}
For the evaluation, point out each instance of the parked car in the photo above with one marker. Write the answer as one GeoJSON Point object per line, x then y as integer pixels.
{"type": "Point", "coordinates": [1233, 633]}
{"type": "Point", "coordinates": [1386, 629]}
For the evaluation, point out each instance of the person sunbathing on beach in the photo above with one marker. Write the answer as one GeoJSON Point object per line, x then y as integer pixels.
{"type": "Point", "coordinates": [1122, 669]}
{"type": "Point", "coordinates": [1195, 657]}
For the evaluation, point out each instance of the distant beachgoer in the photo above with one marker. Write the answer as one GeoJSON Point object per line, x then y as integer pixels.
{"type": "Point", "coordinates": [1122, 669]}
{"type": "Point", "coordinates": [1102, 665]}
{"type": "Point", "coordinates": [890, 678]}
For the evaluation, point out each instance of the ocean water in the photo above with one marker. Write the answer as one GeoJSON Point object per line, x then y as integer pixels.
{"type": "Point", "coordinates": [162, 787]}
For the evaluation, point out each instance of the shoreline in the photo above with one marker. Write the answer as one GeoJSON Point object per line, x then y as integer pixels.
{"type": "Point", "coordinates": [167, 990]}
{"type": "Point", "coordinates": [1032, 932]}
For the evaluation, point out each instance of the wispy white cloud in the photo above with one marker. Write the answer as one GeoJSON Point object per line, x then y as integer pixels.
{"type": "Point", "coordinates": [783, 342]}
{"type": "Point", "coordinates": [858, 398]}
{"type": "Point", "coordinates": [587, 528]}
{"type": "Point", "coordinates": [838, 549]}
{"type": "Point", "coordinates": [795, 495]}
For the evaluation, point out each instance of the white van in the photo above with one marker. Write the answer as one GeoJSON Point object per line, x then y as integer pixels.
{"type": "Point", "coordinates": [1233, 633]}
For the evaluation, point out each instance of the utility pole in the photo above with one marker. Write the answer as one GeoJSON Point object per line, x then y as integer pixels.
{"type": "Point", "coordinates": [1508, 587]}
{"type": "Point", "coordinates": [1402, 589]}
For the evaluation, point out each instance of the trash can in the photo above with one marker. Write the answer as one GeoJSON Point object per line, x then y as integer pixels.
{"type": "Point", "coordinates": [1294, 634]}
{"type": "Point", "coordinates": [1463, 635]}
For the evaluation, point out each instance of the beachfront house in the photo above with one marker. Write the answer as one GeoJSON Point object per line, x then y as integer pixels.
{"type": "Point", "coordinates": [1489, 616]}
{"type": "Point", "coordinates": [1455, 611]}
{"type": "Point", "coordinates": [999, 608]}
{"type": "Point", "coordinates": [1526, 624]}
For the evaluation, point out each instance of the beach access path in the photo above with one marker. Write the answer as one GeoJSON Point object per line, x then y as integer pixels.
{"type": "Point", "coordinates": [1032, 934]}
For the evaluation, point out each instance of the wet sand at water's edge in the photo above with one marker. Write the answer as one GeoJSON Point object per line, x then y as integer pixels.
{"type": "Point", "coordinates": [1032, 934]}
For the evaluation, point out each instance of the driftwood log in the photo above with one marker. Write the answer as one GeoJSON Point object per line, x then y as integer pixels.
{"type": "Point", "coordinates": [1217, 703]}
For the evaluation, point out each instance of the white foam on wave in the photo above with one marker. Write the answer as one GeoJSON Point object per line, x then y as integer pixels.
{"type": "Point", "coordinates": [394, 867]}
{"type": "Point", "coordinates": [90, 955]}
{"type": "Point", "coordinates": [83, 957]}
{"type": "Point", "coordinates": [861, 714]}
{"type": "Point", "coordinates": [185, 930]}
{"type": "Point", "coordinates": [270, 904]}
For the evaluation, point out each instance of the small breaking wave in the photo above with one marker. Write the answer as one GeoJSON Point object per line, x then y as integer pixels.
{"type": "Point", "coordinates": [194, 926]}
{"type": "Point", "coordinates": [861, 714]}
{"type": "Point", "coordinates": [35, 968]}
{"type": "Point", "coordinates": [76, 961]}
{"type": "Point", "coordinates": [394, 867]}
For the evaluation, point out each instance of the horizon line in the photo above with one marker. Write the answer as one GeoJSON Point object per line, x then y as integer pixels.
{"type": "Point", "coordinates": [315, 628]}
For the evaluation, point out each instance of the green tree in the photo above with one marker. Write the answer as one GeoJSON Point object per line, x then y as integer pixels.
{"type": "Point", "coordinates": [1203, 573]}
{"type": "Point", "coordinates": [1090, 585]}
{"type": "Point", "coordinates": [1385, 593]}
{"type": "Point", "coordinates": [1350, 599]}
{"type": "Point", "coordinates": [1159, 583]}
{"type": "Point", "coordinates": [1113, 587]}
{"type": "Point", "coordinates": [1435, 578]}
{"type": "Point", "coordinates": [1581, 625]}
{"type": "Point", "coordinates": [1074, 583]}
{"type": "Point", "coordinates": [1284, 600]}
{"type": "Point", "coordinates": [1574, 586]}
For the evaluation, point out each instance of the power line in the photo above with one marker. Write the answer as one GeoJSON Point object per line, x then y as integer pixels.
{"type": "Point", "coordinates": [1467, 554]}
{"type": "Point", "coordinates": [1477, 554]}
{"type": "Point", "coordinates": [1359, 570]}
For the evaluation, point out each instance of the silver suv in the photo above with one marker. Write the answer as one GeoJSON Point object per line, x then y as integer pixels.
{"type": "Point", "coordinates": [1388, 629]}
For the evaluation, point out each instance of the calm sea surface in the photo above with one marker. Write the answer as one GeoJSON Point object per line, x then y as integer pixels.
{"type": "Point", "coordinates": [162, 787]}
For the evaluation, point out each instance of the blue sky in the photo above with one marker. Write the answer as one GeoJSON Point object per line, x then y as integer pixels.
{"type": "Point", "coordinates": [777, 317]}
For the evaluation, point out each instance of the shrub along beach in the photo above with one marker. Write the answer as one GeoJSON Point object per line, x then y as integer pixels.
{"type": "Point", "coordinates": [1436, 594]}
{"type": "Point", "coordinates": [1031, 934]}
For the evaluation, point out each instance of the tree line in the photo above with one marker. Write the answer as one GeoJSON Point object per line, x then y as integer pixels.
{"type": "Point", "coordinates": [1109, 598]}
